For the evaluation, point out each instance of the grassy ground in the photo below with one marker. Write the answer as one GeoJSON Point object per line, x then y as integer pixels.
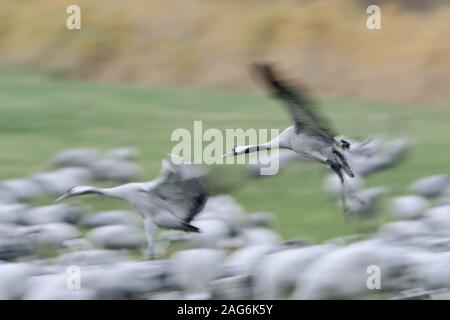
{"type": "Point", "coordinates": [40, 116]}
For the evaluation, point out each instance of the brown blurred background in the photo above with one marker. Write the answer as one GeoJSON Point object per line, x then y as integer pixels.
{"type": "Point", "coordinates": [210, 43]}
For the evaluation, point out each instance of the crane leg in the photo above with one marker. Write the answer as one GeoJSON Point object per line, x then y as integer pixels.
{"type": "Point", "coordinates": [150, 231]}
{"type": "Point", "coordinates": [343, 193]}
{"type": "Point", "coordinates": [337, 169]}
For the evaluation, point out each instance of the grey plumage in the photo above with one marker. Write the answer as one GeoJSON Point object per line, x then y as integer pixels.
{"type": "Point", "coordinates": [311, 136]}
{"type": "Point", "coordinates": [170, 201]}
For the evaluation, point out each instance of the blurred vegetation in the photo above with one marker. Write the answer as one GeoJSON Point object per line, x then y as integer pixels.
{"type": "Point", "coordinates": [210, 43]}
{"type": "Point", "coordinates": [41, 116]}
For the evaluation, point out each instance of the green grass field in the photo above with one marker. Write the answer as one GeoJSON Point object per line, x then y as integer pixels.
{"type": "Point", "coordinates": [41, 115]}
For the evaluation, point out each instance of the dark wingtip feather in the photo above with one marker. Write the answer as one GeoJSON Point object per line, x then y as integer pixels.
{"type": "Point", "coordinates": [199, 203]}
{"type": "Point", "coordinates": [265, 71]}
{"type": "Point", "coordinates": [268, 73]}
{"type": "Point", "coordinates": [191, 228]}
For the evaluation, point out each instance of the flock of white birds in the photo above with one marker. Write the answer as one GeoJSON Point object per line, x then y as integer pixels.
{"type": "Point", "coordinates": [209, 247]}
{"type": "Point", "coordinates": [237, 255]}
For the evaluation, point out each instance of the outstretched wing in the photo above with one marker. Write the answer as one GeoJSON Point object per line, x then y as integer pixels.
{"type": "Point", "coordinates": [298, 102]}
{"type": "Point", "coordinates": [181, 189]}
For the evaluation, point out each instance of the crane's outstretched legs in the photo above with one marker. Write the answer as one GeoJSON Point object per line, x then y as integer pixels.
{"type": "Point", "coordinates": [337, 167]}
{"type": "Point", "coordinates": [344, 164]}
{"type": "Point", "coordinates": [343, 192]}
{"type": "Point", "coordinates": [150, 232]}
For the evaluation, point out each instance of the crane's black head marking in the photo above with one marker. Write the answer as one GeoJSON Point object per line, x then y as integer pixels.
{"type": "Point", "coordinates": [241, 150]}
{"type": "Point", "coordinates": [345, 144]}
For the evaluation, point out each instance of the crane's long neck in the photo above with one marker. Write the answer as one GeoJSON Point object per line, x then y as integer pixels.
{"type": "Point", "coordinates": [252, 148]}
{"type": "Point", "coordinates": [109, 192]}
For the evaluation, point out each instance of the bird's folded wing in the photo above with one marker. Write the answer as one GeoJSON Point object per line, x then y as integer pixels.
{"type": "Point", "coordinates": [298, 102]}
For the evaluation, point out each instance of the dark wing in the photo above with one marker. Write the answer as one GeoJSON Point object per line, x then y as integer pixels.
{"type": "Point", "coordinates": [182, 189]}
{"type": "Point", "coordinates": [299, 103]}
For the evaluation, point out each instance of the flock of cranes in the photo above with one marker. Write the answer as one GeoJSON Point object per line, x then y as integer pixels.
{"type": "Point", "coordinates": [229, 253]}
{"type": "Point", "coordinates": [174, 199]}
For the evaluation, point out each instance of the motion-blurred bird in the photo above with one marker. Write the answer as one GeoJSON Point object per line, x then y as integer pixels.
{"type": "Point", "coordinates": [310, 136]}
{"type": "Point", "coordinates": [170, 201]}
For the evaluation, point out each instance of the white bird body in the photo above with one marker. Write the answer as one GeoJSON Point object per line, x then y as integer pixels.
{"type": "Point", "coordinates": [170, 201]}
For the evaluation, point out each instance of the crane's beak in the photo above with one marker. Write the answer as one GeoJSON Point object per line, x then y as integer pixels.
{"type": "Point", "coordinates": [228, 154]}
{"type": "Point", "coordinates": [65, 195]}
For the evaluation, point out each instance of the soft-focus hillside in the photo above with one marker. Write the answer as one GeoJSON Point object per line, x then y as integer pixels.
{"type": "Point", "coordinates": [204, 42]}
